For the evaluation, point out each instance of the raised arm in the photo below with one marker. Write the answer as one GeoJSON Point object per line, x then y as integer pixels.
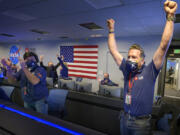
{"type": "Point", "coordinates": [41, 62]}
{"type": "Point", "coordinates": [9, 73]}
{"type": "Point", "coordinates": [170, 9]}
{"type": "Point", "coordinates": [30, 76]}
{"type": "Point", "coordinates": [58, 64]}
{"type": "Point", "coordinates": [112, 43]}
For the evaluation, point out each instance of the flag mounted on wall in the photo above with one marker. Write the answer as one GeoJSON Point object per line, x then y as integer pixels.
{"type": "Point", "coordinates": [82, 60]}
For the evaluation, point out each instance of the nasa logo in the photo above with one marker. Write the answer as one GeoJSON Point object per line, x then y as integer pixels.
{"type": "Point", "coordinates": [14, 54]}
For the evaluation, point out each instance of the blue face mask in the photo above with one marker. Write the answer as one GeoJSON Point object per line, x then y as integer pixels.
{"type": "Point", "coordinates": [131, 66]}
{"type": "Point", "coordinates": [31, 64]}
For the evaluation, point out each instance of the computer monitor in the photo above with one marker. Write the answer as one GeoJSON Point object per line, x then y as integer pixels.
{"type": "Point", "coordinates": [111, 91]}
{"type": "Point", "coordinates": [83, 86]}
{"type": "Point", "coordinates": [67, 84]}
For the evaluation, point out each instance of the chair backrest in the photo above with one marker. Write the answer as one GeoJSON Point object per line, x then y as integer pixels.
{"type": "Point", "coordinates": [7, 90]}
{"type": "Point", "coordinates": [56, 100]}
{"type": "Point", "coordinates": [113, 91]}
{"type": "Point", "coordinates": [84, 86]}
{"type": "Point", "coordinates": [67, 84]}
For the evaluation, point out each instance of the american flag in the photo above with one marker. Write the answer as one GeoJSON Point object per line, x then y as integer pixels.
{"type": "Point", "coordinates": [82, 60]}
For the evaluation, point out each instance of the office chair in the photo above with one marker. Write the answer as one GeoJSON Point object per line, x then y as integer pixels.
{"type": "Point", "coordinates": [56, 102]}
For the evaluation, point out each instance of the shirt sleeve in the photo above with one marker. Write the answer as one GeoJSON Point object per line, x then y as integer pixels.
{"type": "Point", "coordinates": [42, 65]}
{"type": "Point", "coordinates": [155, 71]}
{"type": "Point", "coordinates": [41, 74]}
{"type": "Point", "coordinates": [122, 67]}
{"type": "Point", "coordinates": [57, 65]}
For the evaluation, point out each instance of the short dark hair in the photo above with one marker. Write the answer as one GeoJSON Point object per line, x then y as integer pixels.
{"type": "Point", "coordinates": [138, 47]}
{"type": "Point", "coordinates": [29, 54]}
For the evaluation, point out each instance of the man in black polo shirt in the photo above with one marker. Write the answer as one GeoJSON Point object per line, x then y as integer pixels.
{"type": "Point", "coordinates": [51, 70]}
{"type": "Point", "coordinates": [139, 79]}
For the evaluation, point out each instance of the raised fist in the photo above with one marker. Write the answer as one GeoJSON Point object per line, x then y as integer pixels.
{"type": "Point", "coordinates": [22, 63]}
{"type": "Point", "coordinates": [110, 24]}
{"type": "Point", "coordinates": [5, 62]}
{"type": "Point", "coordinates": [170, 7]}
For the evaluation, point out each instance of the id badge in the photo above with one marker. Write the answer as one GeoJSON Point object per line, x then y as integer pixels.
{"type": "Point", "coordinates": [128, 99]}
{"type": "Point", "coordinates": [25, 91]}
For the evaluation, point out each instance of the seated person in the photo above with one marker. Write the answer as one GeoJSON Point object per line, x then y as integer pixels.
{"type": "Point", "coordinates": [107, 81]}
{"type": "Point", "coordinates": [63, 68]}
{"type": "Point", "coordinates": [51, 69]}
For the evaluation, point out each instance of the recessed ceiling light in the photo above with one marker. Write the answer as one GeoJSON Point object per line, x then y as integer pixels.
{"type": "Point", "coordinates": [64, 37]}
{"type": "Point", "coordinates": [6, 35]}
{"type": "Point", "coordinates": [17, 15]}
{"type": "Point", "coordinates": [91, 26]}
{"type": "Point", "coordinates": [39, 31]}
{"type": "Point", "coordinates": [100, 4]}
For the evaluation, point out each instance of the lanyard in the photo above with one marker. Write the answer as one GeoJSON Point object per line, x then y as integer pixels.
{"type": "Point", "coordinates": [131, 83]}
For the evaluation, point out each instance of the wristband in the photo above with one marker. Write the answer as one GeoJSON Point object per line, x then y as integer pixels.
{"type": "Point", "coordinates": [170, 17]}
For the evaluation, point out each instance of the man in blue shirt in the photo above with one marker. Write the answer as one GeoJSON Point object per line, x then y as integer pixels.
{"type": "Point", "coordinates": [63, 67]}
{"type": "Point", "coordinates": [139, 79]}
{"type": "Point", "coordinates": [32, 81]}
{"type": "Point", "coordinates": [107, 81]}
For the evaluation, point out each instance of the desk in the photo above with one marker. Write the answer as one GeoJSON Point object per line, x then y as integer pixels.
{"type": "Point", "coordinates": [33, 123]}
{"type": "Point", "coordinates": [83, 86]}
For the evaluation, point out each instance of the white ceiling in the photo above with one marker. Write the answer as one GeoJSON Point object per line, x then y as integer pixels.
{"type": "Point", "coordinates": [61, 18]}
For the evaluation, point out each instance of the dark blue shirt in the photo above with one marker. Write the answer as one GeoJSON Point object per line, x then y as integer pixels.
{"type": "Point", "coordinates": [33, 92]}
{"type": "Point", "coordinates": [107, 81]}
{"type": "Point", "coordinates": [142, 90]}
{"type": "Point", "coordinates": [64, 71]}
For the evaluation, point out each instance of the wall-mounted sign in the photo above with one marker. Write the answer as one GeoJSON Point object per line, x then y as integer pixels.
{"type": "Point", "coordinates": [14, 54]}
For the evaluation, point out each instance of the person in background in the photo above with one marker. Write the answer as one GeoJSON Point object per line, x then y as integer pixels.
{"type": "Point", "coordinates": [51, 70]}
{"type": "Point", "coordinates": [63, 68]}
{"type": "Point", "coordinates": [32, 79]}
{"type": "Point", "coordinates": [107, 81]}
{"type": "Point", "coordinates": [139, 79]}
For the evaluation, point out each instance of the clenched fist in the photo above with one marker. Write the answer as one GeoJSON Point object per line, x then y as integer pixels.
{"type": "Point", "coordinates": [110, 24]}
{"type": "Point", "coordinates": [170, 7]}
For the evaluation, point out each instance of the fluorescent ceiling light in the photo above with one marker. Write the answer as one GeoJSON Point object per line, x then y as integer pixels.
{"type": "Point", "coordinates": [99, 4]}
{"type": "Point", "coordinates": [18, 15]}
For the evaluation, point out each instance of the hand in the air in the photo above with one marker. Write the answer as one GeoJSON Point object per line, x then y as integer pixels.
{"type": "Point", "coordinates": [22, 63]}
{"type": "Point", "coordinates": [3, 62]}
{"type": "Point", "coordinates": [110, 24]}
{"type": "Point", "coordinates": [170, 7]}
{"type": "Point", "coordinates": [6, 63]}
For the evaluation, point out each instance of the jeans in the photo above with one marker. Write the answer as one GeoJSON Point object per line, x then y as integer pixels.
{"type": "Point", "coordinates": [40, 106]}
{"type": "Point", "coordinates": [134, 126]}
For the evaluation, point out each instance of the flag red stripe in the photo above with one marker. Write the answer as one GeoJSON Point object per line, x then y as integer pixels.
{"type": "Point", "coordinates": [81, 71]}
{"type": "Point", "coordinates": [94, 52]}
{"type": "Point", "coordinates": [79, 46]}
{"type": "Point", "coordinates": [87, 62]}
{"type": "Point", "coordinates": [88, 57]}
{"type": "Point", "coordinates": [89, 67]}
{"type": "Point", "coordinates": [83, 76]}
